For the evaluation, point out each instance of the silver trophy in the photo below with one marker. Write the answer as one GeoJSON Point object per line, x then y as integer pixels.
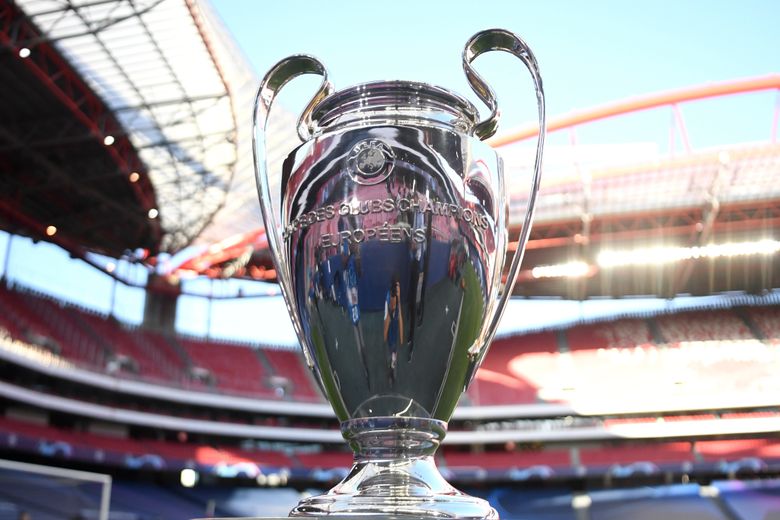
{"type": "Point", "coordinates": [389, 247]}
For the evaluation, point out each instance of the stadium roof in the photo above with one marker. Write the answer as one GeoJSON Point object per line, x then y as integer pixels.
{"type": "Point", "coordinates": [53, 130]}
{"type": "Point", "coordinates": [166, 79]}
{"type": "Point", "coordinates": [148, 134]}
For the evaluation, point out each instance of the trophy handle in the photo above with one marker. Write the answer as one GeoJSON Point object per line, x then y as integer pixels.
{"type": "Point", "coordinates": [503, 40]}
{"type": "Point", "coordinates": [276, 78]}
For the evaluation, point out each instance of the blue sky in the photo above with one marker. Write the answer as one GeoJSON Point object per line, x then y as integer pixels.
{"type": "Point", "coordinates": [590, 53]}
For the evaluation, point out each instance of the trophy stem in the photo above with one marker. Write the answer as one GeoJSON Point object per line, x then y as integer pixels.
{"type": "Point", "coordinates": [394, 473]}
{"type": "Point", "coordinates": [380, 438]}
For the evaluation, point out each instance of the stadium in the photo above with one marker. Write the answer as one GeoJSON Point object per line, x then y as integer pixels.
{"type": "Point", "coordinates": [148, 367]}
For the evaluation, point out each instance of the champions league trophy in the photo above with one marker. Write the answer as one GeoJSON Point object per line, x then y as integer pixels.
{"type": "Point", "coordinates": [389, 247]}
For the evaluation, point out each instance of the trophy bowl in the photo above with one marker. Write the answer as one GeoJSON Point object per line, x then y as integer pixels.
{"type": "Point", "coordinates": [389, 245]}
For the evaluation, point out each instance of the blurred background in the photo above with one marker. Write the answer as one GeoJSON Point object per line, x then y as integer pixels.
{"type": "Point", "coordinates": [148, 369]}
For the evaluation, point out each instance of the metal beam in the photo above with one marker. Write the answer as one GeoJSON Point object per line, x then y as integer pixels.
{"type": "Point", "coordinates": [769, 82]}
{"type": "Point", "coordinates": [65, 178]}
{"type": "Point", "coordinates": [104, 24]}
{"type": "Point", "coordinates": [704, 229]}
{"type": "Point", "coordinates": [167, 102]}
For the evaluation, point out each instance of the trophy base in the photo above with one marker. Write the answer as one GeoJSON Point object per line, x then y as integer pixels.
{"type": "Point", "coordinates": [395, 475]}
{"type": "Point", "coordinates": [408, 488]}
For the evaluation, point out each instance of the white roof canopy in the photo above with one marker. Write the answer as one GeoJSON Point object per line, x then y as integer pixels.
{"type": "Point", "coordinates": [153, 63]}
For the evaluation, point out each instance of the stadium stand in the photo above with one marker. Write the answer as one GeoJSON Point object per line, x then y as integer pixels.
{"type": "Point", "coordinates": [104, 345]}
{"type": "Point", "coordinates": [625, 333]}
{"type": "Point", "coordinates": [290, 364]}
{"type": "Point", "coordinates": [736, 449]}
{"type": "Point", "coordinates": [41, 322]}
{"type": "Point", "coordinates": [766, 321]}
{"type": "Point", "coordinates": [554, 458]}
{"type": "Point", "coordinates": [325, 460]}
{"type": "Point", "coordinates": [146, 501]}
{"type": "Point", "coordinates": [496, 382]}
{"type": "Point", "coordinates": [711, 325]}
{"type": "Point", "coordinates": [137, 352]}
{"type": "Point", "coordinates": [224, 368]}
{"type": "Point", "coordinates": [68, 444]}
{"type": "Point", "coordinates": [230, 368]}
{"type": "Point", "coordinates": [664, 453]}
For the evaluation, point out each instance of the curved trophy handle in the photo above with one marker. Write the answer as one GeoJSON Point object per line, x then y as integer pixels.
{"type": "Point", "coordinates": [281, 73]}
{"type": "Point", "coordinates": [503, 40]}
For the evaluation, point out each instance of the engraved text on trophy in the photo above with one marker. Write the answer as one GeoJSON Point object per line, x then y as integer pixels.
{"type": "Point", "coordinates": [385, 232]}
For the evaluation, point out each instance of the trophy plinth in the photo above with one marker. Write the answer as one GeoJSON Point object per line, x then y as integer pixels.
{"type": "Point", "coordinates": [394, 471]}
{"type": "Point", "coordinates": [389, 246]}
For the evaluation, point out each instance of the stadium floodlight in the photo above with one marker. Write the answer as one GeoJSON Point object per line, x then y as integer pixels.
{"type": "Point", "coordinates": [108, 140]}
{"type": "Point", "coordinates": [668, 255]}
{"type": "Point", "coordinates": [188, 477]}
{"type": "Point", "coordinates": [581, 501]}
{"type": "Point", "coordinates": [709, 491]}
{"type": "Point", "coordinates": [24, 52]}
{"type": "Point", "coordinates": [567, 270]}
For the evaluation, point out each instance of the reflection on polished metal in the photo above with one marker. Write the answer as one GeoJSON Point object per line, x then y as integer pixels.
{"type": "Point", "coordinates": [389, 247]}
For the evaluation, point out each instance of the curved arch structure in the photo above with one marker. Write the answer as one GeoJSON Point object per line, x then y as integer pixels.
{"type": "Point", "coordinates": [619, 108]}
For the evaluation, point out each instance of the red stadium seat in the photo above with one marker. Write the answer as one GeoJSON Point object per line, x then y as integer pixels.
{"type": "Point", "coordinates": [235, 368]}
{"type": "Point", "coordinates": [662, 453]}
{"type": "Point", "coordinates": [289, 364]}
{"type": "Point", "coordinates": [714, 325]}
{"type": "Point", "coordinates": [627, 333]}
{"type": "Point", "coordinates": [767, 320]}
{"type": "Point", "coordinates": [325, 460]}
{"type": "Point", "coordinates": [495, 383]}
{"type": "Point", "coordinates": [510, 459]}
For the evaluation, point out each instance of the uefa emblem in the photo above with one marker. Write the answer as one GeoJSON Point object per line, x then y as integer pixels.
{"type": "Point", "coordinates": [370, 162]}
